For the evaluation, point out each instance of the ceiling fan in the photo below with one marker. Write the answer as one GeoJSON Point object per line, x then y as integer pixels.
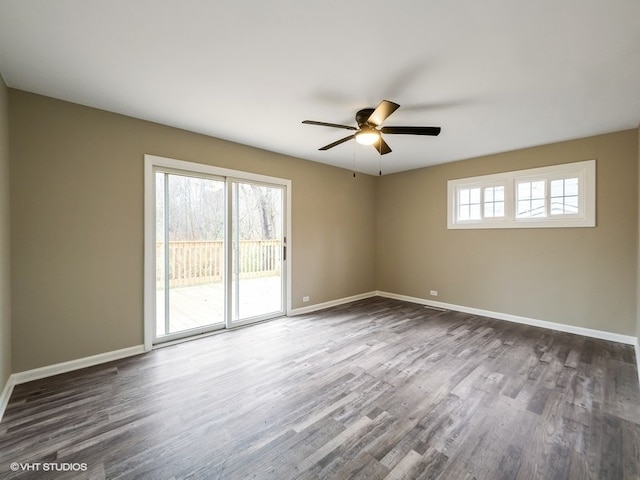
{"type": "Point", "coordinates": [369, 131]}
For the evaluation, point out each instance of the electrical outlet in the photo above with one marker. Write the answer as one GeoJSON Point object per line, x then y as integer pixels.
{"type": "Point", "coordinates": [305, 299]}
{"type": "Point", "coordinates": [433, 293]}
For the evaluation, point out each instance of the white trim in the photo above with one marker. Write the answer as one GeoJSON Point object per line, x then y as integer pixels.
{"type": "Point", "coordinates": [6, 395]}
{"type": "Point", "coordinates": [165, 162]}
{"type": "Point", "coordinates": [211, 333]}
{"type": "Point", "coordinates": [561, 327]}
{"type": "Point", "coordinates": [637, 345]}
{"type": "Point", "coordinates": [228, 278]}
{"type": "Point", "coordinates": [77, 364]}
{"type": "Point", "coordinates": [331, 303]}
{"type": "Point", "coordinates": [288, 207]}
{"type": "Point", "coordinates": [149, 253]}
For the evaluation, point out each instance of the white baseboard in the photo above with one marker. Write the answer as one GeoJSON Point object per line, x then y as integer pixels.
{"type": "Point", "coordinates": [332, 303]}
{"type": "Point", "coordinates": [64, 367]}
{"type": "Point", "coordinates": [587, 332]}
{"type": "Point", "coordinates": [6, 395]}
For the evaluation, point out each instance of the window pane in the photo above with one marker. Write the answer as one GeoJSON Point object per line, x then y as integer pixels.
{"type": "Point", "coordinates": [527, 190]}
{"type": "Point", "coordinates": [538, 208]}
{"type": "Point", "coordinates": [564, 196]}
{"type": "Point", "coordinates": [488, 194]}
{"type": "Point", "coordinates": [469, 204]}
{"type": "Point", "coordinates": [571, 186]}
{"type": "Point", "coordinates": [474, 212]}
{"type": "Point", "coordinates": [557, 188]}
{"type": "Point", "coordinates": [524, 190]}
{"type": "Point", "coordinates": [475, 195]}
{"type": "Point", "coordinates": [532, 208]}
{"type": "Point", "coordinates": [524, 208]}
{"type": "Point", "coordinates": [531, 199]}
{"type": "Point", "coordinates": [570, 210]}
{"type": "Point", "coordinates": [488, 210]}
{"type": "Point", "coordinates": [493, 209]}
{"type": "Point", "coordinates": [537, 189]}
{"type": "Point", "coordinates": [557, 207]}
{"type": "Point", "coordinates": [463, 213]}
{"type": "Point", "coordinates": [493, 201]}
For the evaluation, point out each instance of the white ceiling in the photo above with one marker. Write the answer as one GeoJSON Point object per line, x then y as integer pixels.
{"type": "Point", "coordinates": [496, 75]}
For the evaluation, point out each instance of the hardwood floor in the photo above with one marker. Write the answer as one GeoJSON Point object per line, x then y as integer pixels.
{"type": "Point", "coordinates": [377, 389]}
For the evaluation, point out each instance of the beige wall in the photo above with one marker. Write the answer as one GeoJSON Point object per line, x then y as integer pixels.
{"type": "Point", "coordinates": [77, 224]}
{"type": "Point", "coordinates": [576, 276]}
{"type": "Point", "coordinates": [5, 305]}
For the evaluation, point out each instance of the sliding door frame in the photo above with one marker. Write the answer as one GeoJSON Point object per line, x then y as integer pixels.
{"type": "Point", "coordinates": [234, 252]}
{"type": "Point", "coordinates": [153, 162]}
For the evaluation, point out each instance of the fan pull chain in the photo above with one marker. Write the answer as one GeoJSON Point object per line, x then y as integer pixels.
{"type": "Point", "coordinates": [380, 157]}
{"type": "Point", "coordinates": [354, 159]}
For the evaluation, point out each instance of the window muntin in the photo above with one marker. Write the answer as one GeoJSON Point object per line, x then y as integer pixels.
{"type": "Point", "coordinates": [469, 204]}
{"type": "Point", "coordinates": [493, 201]}
{"type": "Point", "coordinates": [565, 197]}
{"type": "Point", "coordinates": [531, 199]}
{"type": "Point", "coordinates": [556, 196]}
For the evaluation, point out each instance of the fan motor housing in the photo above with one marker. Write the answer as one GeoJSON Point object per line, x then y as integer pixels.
{"type": "Point", "coordinates": [363, 115]}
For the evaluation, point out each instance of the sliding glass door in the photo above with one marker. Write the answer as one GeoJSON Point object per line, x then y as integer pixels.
{"type": "Point", "coordinates": [258, 249]}
{"type": "Point", "coordinates": [219, 253]}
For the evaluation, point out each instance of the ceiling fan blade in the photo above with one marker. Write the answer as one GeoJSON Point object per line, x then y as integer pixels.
{"type": "Point", "coordinates": [325, 124]}
{"type": "Point", "coordinates": [342, 140]}
{"type": "Point", "coordinates": [382, 112]}
{"type": "Point", "coordinates": [382, 146]}
{"type": "Point", "coordinates": [411, 130]}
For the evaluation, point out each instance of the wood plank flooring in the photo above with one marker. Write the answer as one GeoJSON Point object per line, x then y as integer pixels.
{"type": "Point", "coordinates": [377, 389]}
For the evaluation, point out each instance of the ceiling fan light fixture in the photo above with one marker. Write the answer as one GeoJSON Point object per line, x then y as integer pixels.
{"type": "Point", "coordinates": [369, 130]}
{"type": "Point", "coordinates": [367, 136]}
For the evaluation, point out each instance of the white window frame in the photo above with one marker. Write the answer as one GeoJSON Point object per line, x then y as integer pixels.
{"type": "Point", "coordinates": [585, 171]}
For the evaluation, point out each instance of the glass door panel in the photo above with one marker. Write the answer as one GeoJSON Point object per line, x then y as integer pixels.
{"type": "Point", "coordinates": [190, 228]}
{"type": "Point", "coordinates": [258, 247]}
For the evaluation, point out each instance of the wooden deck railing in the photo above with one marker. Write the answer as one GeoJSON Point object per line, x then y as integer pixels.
{"type": "Point", "coordinates": [199, 263]}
